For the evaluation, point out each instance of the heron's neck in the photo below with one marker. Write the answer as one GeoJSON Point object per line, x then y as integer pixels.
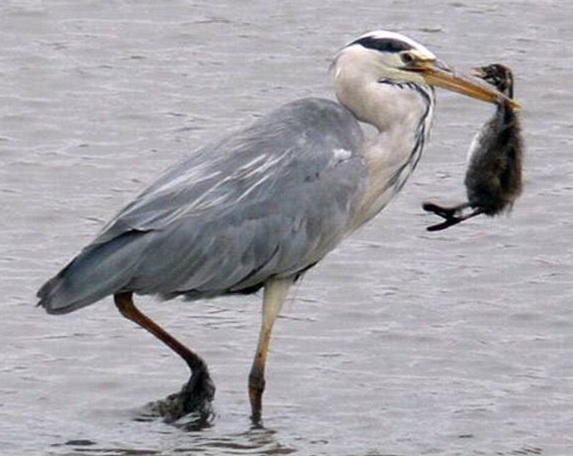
{"type": "Point", "coordinates": [392, 108]}
{"type": "Point", "coordinates": [402, 114]}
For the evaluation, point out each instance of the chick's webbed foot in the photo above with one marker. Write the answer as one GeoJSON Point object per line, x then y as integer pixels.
{"type": "Point", "coordinates": [451, 215]}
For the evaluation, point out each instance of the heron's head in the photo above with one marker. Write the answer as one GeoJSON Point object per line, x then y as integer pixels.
{"type": "Point", "coordinates": [395, 58]}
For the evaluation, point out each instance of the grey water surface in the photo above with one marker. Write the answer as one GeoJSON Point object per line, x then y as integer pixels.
{"type": "Point", "coordinates": [402, 342]}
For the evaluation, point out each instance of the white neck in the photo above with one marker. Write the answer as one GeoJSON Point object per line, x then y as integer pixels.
{"type": "Point", "coordinates": [402, 114]}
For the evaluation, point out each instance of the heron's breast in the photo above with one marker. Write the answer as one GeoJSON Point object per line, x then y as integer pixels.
{"type": "Point", "coordinates": [391, 160]}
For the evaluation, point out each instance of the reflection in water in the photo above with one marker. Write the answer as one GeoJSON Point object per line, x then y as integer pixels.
{"type": "Point", "coordinates": [255, 441]}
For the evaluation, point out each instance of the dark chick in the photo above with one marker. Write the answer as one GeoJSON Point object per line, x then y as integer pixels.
{"type": "Point", "coordinates": [494, 178]}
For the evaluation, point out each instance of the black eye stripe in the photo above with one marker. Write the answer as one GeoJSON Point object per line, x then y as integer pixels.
{"type": "Point", "coordinates": [383, 44]}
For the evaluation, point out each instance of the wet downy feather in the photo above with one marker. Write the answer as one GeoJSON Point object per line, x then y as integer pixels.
{"type": "Point", "coordinates": [494, 175]}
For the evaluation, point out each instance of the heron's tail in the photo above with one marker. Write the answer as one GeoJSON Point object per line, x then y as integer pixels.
{"type": "Point", "coordinates": [98, 271]}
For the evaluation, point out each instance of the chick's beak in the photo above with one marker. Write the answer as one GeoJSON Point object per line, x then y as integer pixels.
{"type": "Point", "coordinates": [435, 73]}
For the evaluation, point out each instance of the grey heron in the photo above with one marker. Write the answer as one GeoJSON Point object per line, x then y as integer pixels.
{"type": "Point", "coordinates": [259, 207]}
{"type": "Point", "coordinates": [493, 179]}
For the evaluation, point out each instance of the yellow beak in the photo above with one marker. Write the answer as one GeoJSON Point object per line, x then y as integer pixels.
{"type": "Point", "coordinates": [439, 76]}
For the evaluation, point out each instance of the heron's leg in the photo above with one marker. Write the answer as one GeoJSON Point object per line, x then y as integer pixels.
{"type": "Point", "coordinates": [275, 293]}
{"type": "Point", "coordinates": [124, 303]}
{"type": "Point", "coordinates": [200, 388]}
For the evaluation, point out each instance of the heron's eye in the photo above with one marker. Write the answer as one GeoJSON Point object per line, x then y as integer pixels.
{"type": "Point", "coordinates": [407, 58]}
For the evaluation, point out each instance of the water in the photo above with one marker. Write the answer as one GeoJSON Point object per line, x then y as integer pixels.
{"type": "Point", "coordinates": [401, 342]}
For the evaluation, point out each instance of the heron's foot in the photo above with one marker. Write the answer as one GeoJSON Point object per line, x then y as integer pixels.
{"type": "Point", "coordinates": [192, 407]}
{"type": "Point", "coordinates": [198, 393]}
{"type": "Point", "coordinates": [256, 399]}
{"type": "Point", "coordinates": [256, 389]}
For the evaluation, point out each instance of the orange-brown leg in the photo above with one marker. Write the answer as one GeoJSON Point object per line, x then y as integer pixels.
{"type": "Point", "coordinates": [274, 296]}
{"type": "Point", "coordinates": [200, 388]}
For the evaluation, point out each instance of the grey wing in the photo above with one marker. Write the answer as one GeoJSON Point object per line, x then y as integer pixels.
{"type": "Point", "coordinates": [270, 200]}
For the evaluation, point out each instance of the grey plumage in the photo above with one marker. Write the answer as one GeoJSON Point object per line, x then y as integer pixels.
{"type": "Point", "coordinates": [251, 206]}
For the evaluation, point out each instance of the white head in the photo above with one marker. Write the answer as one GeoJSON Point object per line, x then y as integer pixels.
{"type": "Point", "coordinates": [382, 55]}
{"type": "Point", "coordinates": [394, 59]}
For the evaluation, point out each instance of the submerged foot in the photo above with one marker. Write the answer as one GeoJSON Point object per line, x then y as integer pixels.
{"type": "Point", "coordinates": [197, 395]}
{"type": "Point", "coordinates": [194, 402]}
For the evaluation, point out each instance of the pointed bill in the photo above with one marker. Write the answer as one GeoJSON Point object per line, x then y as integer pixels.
{"type": "Point", "coordinates": [470, 86]}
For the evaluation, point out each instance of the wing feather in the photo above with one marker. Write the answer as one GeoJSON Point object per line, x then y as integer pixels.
{"type": "Point", "coordinates": [270, 200]}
